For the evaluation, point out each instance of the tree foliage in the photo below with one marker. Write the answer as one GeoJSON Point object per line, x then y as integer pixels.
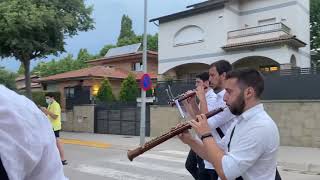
{"type": "Point", "coordinates": [129, 89]}
{"type": "Point", "coordinates": [69, 64]}
{"type": "Point", "coordinates": [126, 31]}
{"type": "Point", "coordinates": [34, 29]}
{"type": "Point", "coordinates": [127, 36]}
{"type": "Point", "coordinates": [315, 24]}
{"type": "Point", "coordinates": [21, 69]}
{"type": "Point", "coordinates": [65, 64]}
{"type": "Point", "coordinates": [315, 30]}
{"type": "Point", "coordinates": [105, 92]}
{"type": "Point", "coordinates": [7, 78]}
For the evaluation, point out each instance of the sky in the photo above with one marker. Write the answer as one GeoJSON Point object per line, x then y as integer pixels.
{"type": "Point", "coordinates": [107, 15]}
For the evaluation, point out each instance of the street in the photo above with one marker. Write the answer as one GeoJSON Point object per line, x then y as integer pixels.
{"type": "Point", "coordinates": [165, 162]}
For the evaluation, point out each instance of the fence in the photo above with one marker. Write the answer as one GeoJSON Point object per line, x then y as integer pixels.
{"type": "Point", "coordinates": [120, 118]}
{"type": "Point", "coordinates": [293, 84]}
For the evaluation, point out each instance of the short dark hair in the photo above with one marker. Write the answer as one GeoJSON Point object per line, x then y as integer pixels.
{"type": "Point", "coordinates": [203, 76]}
{"type": "Point", "coordinates": [49, 94]}
{"type": "Point", "coordinates": [250, 78]}
{"type": "Point", "coordinates": [222, 66]}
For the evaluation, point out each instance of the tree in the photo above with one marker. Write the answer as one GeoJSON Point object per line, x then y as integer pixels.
{"type": "Point", "coordinates": [83, 56]}
{"type": "Point", "coordinates": [128, 37]}
{"type": "Point", "coordinates": [63, 65]}
{"type": "Point", "coordinates": [315, 28]}
{"type": "Point", "coordinates": [21, 70]}
{"type": "Point", "coordinates": [53, 67]}
{"type": "Point", "coordinates": [105, 92]}
{"type": "Point", "coordinates": [126, 31]}
{"type": "Point", "coordinates": [153, 42]}
{"type": "Point", "coordinates": [315, 24]}
{"type": "Point", "coordinates": [129, 41]}
{"type": "Point", "coordinates": [7, 78]}
{"type": "Point", "coordinates": [129, 89]}
{"type": "Point", "coordinates": [105, 49]}
{"type": "Point", "coordinates": [34, 29]}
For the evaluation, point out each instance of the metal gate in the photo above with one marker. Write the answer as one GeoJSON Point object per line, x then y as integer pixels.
{"type": "Point", "coordinates": [77, 95]}
{"type": "Point", "coordinates": [120, 118]}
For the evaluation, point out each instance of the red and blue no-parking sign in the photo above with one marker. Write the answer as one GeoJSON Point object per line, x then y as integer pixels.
{"type": "Point", "coordinates": [145, 82]}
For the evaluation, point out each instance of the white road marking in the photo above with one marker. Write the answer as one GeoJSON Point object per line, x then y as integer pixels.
{"type": "Point", "coordinates": [112, 173]}
{"type": "Point", "coordinates": [153, 166]}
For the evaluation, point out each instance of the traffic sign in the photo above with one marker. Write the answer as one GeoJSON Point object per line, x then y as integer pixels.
{"type": "Point", "coordinates": [145, 82]}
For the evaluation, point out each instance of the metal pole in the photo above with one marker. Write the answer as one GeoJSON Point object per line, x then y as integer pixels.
{"type": "Point", "coordinates": [144, 64]}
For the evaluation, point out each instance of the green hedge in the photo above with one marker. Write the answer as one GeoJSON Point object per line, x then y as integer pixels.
{"type": "Point", "coordinates": [40, 100]}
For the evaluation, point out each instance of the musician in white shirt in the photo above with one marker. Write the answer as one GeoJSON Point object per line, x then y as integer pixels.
{"type": "Point", "coordinates": [221, 122]}
{"type": "Point", "coordinates": [249, 149]}
{"type": "Point", "coordinates": [28, 145]}
{"type": "Point", "coordinates": [194, 164]}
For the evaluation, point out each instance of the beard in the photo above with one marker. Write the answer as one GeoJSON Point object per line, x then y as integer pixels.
{"type": "Point", "coordinates": [237, 107]}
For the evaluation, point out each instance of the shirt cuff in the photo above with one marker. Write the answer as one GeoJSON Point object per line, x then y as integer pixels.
{"type": "Point", "coordinates": [230, 167]}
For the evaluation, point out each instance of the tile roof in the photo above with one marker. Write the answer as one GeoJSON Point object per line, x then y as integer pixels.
{"type": "Point", "coordinates": [95, 71]}
{"type": "Point", "coordinates": [21, 77]}
{"type": "Point", "coordinates": [33, 85]}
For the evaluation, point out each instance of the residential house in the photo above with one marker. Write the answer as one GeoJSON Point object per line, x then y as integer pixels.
{"type": "Point", "coordinates": [80, 86]}
{"type": "Point", "coordinates": [35, 86]}
{"type": "Point", "coordinates": [265, 34]}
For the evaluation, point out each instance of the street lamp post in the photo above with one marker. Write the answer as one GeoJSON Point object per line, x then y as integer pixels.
{"type": "Point", "coordinates": [144, 65]}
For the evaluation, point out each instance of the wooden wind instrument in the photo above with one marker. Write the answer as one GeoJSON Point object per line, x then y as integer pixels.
{"type": "Point", "coordinates": [173, 132]}
{"type": "Point", "coordinates": [182, 97]}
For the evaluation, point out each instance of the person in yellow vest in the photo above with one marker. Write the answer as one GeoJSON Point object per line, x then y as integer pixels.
{"type": "Point", "coordinates": [53, 113]}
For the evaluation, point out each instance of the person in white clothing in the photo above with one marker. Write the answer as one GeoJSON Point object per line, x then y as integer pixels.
{"type": "Point", "coordinates": [28, 145]}
{"type": "Point", "coordinates": [221, 122]}
{"type": "Point", "coordinates": [194, 164]}
{"type": "Point", "coordinates": [249, 148]}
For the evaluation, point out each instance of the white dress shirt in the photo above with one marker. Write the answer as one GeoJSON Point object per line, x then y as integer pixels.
{"type": "Point", "coordinates": [223, 120]}
{"type": "Point", "coordinates": [211, 98]}
{"type": "Point", "coordinates": [28, 145]}
{"type": "Point", "coordinates": [253, 148]}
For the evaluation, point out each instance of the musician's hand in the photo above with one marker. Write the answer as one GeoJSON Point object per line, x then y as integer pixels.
{"type": "Point", "coordinates": [188, 92]}
{"type": "Point", "coordinates": [185, 136]}
{"type": "Point", "coordinates": [201, 93]}
{"type": "Point", "coordinates": [201, 126]}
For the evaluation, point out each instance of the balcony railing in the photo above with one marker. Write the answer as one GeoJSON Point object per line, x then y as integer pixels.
{"type": "Point", "coordinates": [269, 28]}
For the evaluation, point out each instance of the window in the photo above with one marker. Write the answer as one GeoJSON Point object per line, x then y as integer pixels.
{"type": "Point", "coordinates": [269, 68]}
{"type": "Point", "coordinates": [137, 66]}
{"type": "Point", "coordinates": [69, 92]}
{"type": "Point", "coordinates": [188, 35]}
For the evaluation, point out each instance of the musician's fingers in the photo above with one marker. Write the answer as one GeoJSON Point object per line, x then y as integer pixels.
{"type": "Point", "coordinates": [194, 124]}
{"type": "Point", "coordinates": [179, 125]}
{"type": "Point", "coordinates": [203, 118]}
{"type": "Point", "coordinates": [198, 117]}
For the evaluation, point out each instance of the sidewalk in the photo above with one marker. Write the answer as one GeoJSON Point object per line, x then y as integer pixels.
{"type": "Point", "coordinates": [302, 159]}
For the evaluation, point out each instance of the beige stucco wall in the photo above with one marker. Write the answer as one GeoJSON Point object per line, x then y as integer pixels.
{"type": "Point", "coordinates": [298, 122]}
{"type": "Point", "coordinates": [81, 119]}
{"type": "Point", "coordinates": [162, 118]}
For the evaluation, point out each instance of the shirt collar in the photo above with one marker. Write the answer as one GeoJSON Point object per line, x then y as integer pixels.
{"type": "Point", "coordinates": [248, 114]}
{"type": "Point", "coordinates": [221, 93]}
{"type": "Point", "coordinates": [210, 92]}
